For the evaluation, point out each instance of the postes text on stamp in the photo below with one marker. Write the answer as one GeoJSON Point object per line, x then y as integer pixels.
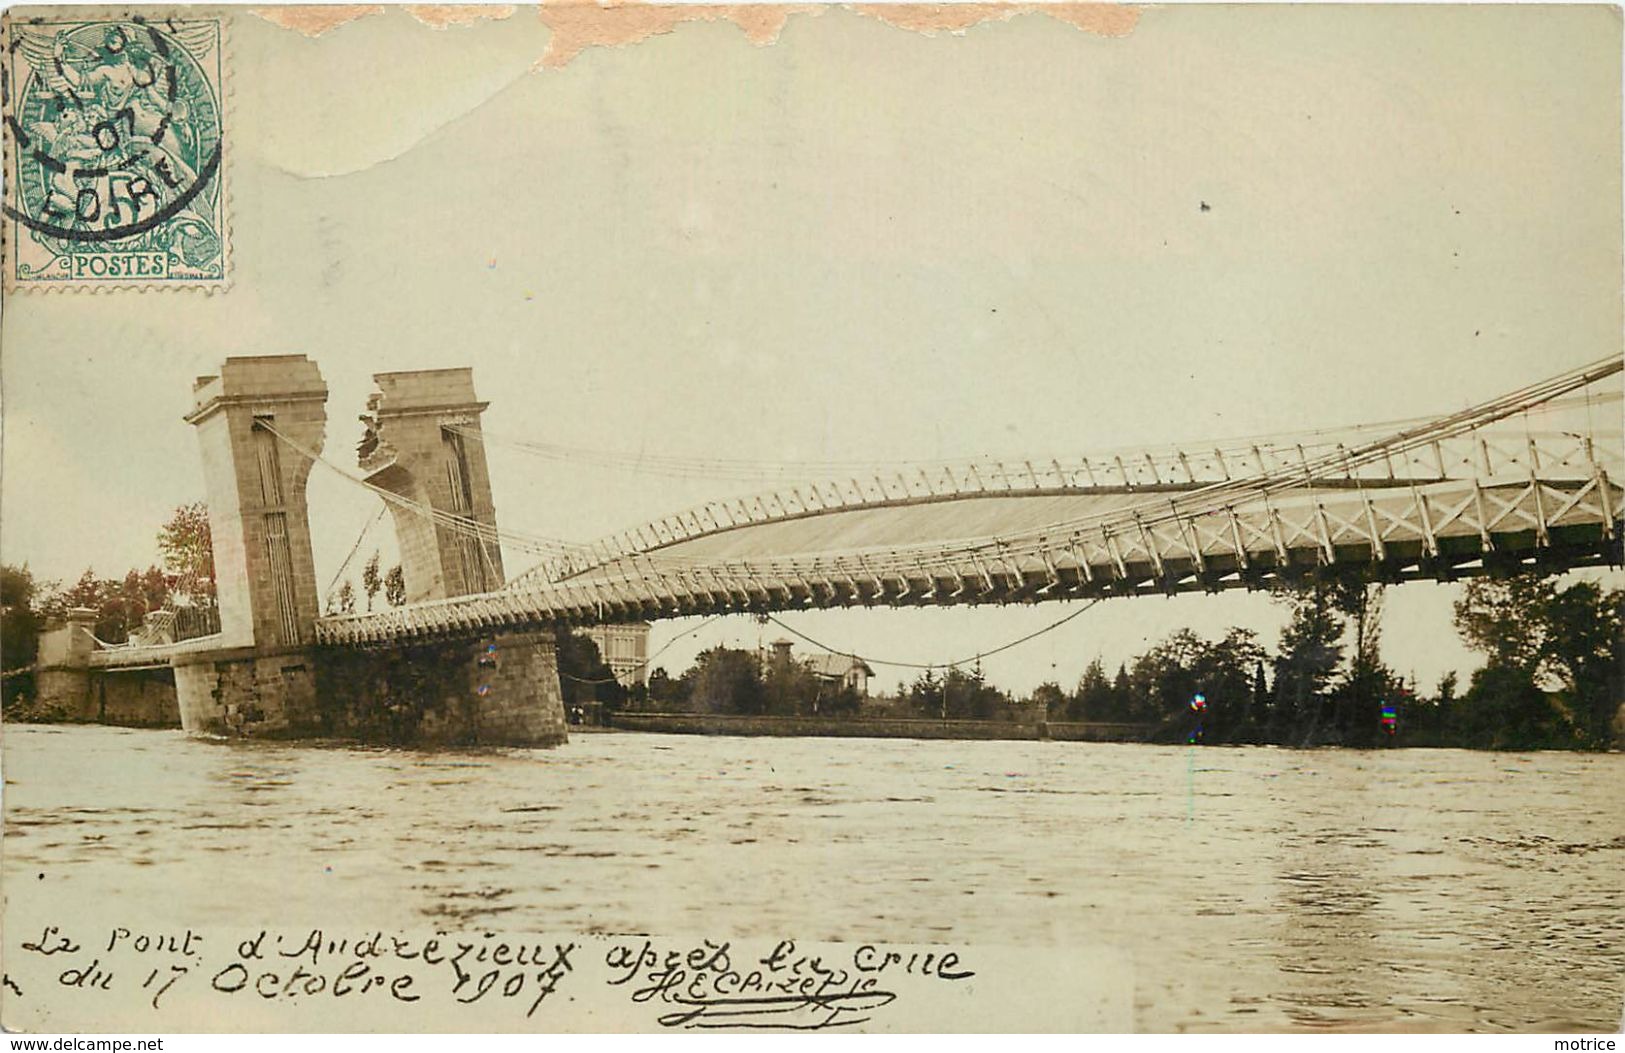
{"type": "Point", "coordinates": [114, 151]}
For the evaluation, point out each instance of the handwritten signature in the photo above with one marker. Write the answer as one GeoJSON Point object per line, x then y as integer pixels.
{"type": "Point", "coordinates": [784, 989]}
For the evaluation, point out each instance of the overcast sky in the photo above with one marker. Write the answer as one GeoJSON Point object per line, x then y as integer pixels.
{"type": "Point", "coordinates": [863, 243]}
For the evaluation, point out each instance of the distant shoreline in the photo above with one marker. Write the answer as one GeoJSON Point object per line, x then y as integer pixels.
{"type": "Point", "coordinates": [877, 727]}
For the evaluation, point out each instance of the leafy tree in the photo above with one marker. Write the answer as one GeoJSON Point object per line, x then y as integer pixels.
{"type": "Point", "coordinates": [1357, 700]}
{"type": "Point", "coordinates": [395, 586]}
{"type": "Point", "coordinates": [343, 601]}
{"type": "Point", "coordinates": [1532, 630]}
{"type": "Point", "coordinates": [1311, 651]}
{"type": "Point", "coordinates": [1052, 698]}
{"type": "Point", "coordinates": [1122, 693]}
{"type": "Point", "coordinates": [1501, 617]}
{"type": "Point", "coordinates": [88, 592]}
{"type": "Point", "coordinates": [1163, 683]}
{"type": "Point", "coordinates": [924, 696]}
{"type": "Point", "coordinates": [957, 695]}
{"type": "Point", "coordinates": [1585, 628]}
{"type": "Point", "coordinates": [791, 689]}
{"type": "Point", "coordinates": [1504, 709]}
{"type": "Point", "coordinates": [372, 583]}
{"type": "Point", "coordinates": [120, 604]}
{"type": "Point", "coordinates": [1227, 673]}
{"type": "Point", "coordinates": [20, 616]}
{"type": "Point", "coordinates": [1163, 680]}
{"type": "Point", "coordinates": [970, 697]}
{"type": "Point", "coordinates": [140, 593]}
{"type": "Point", "coordinates": [835, 700]}
{"type": "Point", "coordinates": [727, 680]}
{"type": "Point", "coordinates": [584, 676]}
{"type": "Point", "coordinates": [1261, 698]}
{"type": "Point", "coordinates": [1428, 720]}
{"type": "Point", "coordinates": [667, 692]}
{"type": "Point", "coordinates": [1095, 698]}
{"type": "Point", "coordinates": [188, 553]}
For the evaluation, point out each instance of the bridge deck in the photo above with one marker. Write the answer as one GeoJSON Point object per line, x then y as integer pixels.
{"type": "Point", "coordinates": [1002, 549]}
{"type": "Point", "coordinates": [135, 656]}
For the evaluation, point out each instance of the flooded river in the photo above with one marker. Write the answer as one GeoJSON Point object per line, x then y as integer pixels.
{"type": "Point", "coordinates": [1253, 889]}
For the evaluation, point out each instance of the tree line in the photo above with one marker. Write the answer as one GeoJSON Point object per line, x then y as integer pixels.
{"type": "Point", "coordinates": [734, 681]}
{"type": "Point", "coordinates": [741, 682]}
{"type": "Point", "coordinates": [1555, 678]}
{"type": "Point", "coordinates": [183, 582]}
{"type": "Point", "coordinates": [1555, 675]}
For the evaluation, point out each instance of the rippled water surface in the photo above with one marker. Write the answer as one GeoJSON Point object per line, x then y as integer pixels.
{"type": "Point", "coordinates": [1255, 889]}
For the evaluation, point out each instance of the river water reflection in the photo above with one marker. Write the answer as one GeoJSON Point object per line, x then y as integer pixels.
{"type": "Point", "coordinates": [1255, 889]}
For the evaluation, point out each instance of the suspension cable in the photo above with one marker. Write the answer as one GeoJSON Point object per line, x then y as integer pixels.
{"type": "Point", "coordinates": [743, 469]}
{"type": "Point", "coordinates": [1159, 510]}
{"type": "Point", "coordinates": [461, 525]}
{"type": "Point", "coordinates": [1165, 508]}
{"type": "Point", "coordinates": [936, 665]}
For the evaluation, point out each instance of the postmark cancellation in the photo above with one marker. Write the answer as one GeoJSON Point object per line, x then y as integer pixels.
{"type": "Point", "coordinates": [114, 136]}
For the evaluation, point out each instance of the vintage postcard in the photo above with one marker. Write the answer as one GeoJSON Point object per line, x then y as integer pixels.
{"type": "Point", "coordinates": [847, 518]}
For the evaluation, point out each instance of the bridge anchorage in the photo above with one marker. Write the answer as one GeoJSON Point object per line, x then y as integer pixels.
{"type": "Point", "coordinates": [1523, 481]}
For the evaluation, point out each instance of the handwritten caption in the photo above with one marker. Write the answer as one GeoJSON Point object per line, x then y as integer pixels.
{"type": "Point", "coordinates": [685, 985]}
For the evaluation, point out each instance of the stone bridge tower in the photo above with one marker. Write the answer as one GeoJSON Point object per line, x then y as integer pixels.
{"type": "Point", "coordinates": [423, 442]}
{"type": "Point", "coordinates": [248, 420]}
{"type": "Point", "coordinates": [256, 422]}
{"type": "Point", "coordinates": [260, 423]}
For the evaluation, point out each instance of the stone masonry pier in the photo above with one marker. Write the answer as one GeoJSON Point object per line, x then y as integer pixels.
{"type": "Point", "coordinates": [266, 676]}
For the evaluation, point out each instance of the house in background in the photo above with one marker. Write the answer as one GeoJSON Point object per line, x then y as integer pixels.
{"type": "Point", "coordinates": [841, 670]}
{"type": "Point", "coordinates": [625, 649]}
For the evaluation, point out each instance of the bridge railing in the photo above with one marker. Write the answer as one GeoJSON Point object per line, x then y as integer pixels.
{"type": "Point", "coordinates": [1321, 523]}
{"type": "Point", "coordinates": [193, 622]}
{"type": "Point", "coordinates": [1486, 454]}
{"type": "Point", "coordinates": [1208, 545]}
{"type": "Point", "coordinates": [1220, 545]}
{"type": "Point", "coordinates": [1438, 493]}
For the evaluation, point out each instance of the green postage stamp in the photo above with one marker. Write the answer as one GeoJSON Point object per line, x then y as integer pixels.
{"type": "Point", "coordinates": [114, 151]}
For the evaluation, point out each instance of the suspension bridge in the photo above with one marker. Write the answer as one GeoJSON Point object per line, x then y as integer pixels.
{"type": "Point", "coordinates": [1524, 480]}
